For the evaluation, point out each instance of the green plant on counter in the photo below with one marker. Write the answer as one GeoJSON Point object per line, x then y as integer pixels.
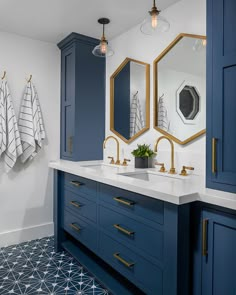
{"type": "Point", "coordinates": [143, 151]}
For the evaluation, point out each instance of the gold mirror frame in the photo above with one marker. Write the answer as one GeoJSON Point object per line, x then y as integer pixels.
{"type": "Point", "coordinates": [147, 109]}
{"type": "Point", "coordinates": [155, 104]}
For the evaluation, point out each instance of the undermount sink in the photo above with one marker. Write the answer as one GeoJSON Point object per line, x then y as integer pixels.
{"type": "Point", "coordinates": [151, 176]}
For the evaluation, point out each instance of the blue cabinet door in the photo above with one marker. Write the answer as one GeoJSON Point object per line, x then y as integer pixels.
{"type": "Point", "coordinates": [221, 95]}
{"type": "Point", "coordinates": [82, 99]}
{"type": "Point", "coordinates": [219, 254]}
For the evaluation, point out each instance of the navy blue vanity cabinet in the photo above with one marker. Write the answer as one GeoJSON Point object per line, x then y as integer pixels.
{"type": "Point", "coordinates": [214, 255]}
{"type": "Point", "coordinates": [82, 99]}
{"type": "Point", "coordinates": [221, 95]}
{"type": "Point", "coordinates": [132, 243]}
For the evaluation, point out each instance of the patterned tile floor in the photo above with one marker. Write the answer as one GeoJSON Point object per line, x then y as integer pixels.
{"type": "Point", "coordinates": [34, 268]}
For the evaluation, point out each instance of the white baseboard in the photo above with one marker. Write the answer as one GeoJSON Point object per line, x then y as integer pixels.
{"type": "Point", "coordinates": [26, 234]}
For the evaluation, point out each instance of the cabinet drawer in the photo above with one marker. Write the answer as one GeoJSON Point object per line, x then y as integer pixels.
{"type": "Point", "coordinates": [80, 185]}
{"type": "Point", "coordinates": [139, 205]}
{"type": "Point", "coordinates": [132, 232]}
{"type": "Point", "coordinates": [80, 206]}
{"type": "Point", "coordinates": [142, 273]}
{"type": "Point", "coordinates": [81, 230]}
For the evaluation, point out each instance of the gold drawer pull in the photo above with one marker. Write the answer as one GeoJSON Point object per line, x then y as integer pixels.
{"type": "Point", "coordinates": [122, 260]}
{"type": "Point", "coordinates": [213, 154]}
{"type": "Point", "coordinates": [75, 204]}
{"type": "Point", "coordinates": [123, 230]}
{"type": "Point", "coordinates": [124, 201]}
{"type": "Point", "coordinates": [76, 183]}
{"type": "Point", "coordinates": [75, 227]}
{"type": "Point", "coordinates": [204, 237]}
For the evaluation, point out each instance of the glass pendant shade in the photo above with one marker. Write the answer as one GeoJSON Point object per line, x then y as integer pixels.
{"type": "Point", "coordinates": [154, 23]}
{"type": "Point", "coordinates": [103, 49]}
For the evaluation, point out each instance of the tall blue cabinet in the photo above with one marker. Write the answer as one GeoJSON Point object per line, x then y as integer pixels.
{"type": "Point", "coordinates": [221, 95]}
{"type": "Point", "coordinates": [82, 99]}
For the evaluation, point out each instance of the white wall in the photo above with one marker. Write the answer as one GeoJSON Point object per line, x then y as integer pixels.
{"type": "Point", "coordinates": [169, 82]}
{"type": "Point", "coordinates": [26, 192]}
{"type": "Point", "coordinates": [186, 16]}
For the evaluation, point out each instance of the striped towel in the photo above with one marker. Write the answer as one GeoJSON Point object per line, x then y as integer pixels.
{"type": "Point", "coordinates": [31, 124]}
{"type": "Point", "coordinates": [163, 121]}
{"type": "Point", "coordinates": [136, 116]}
{"type": "Point", "coordinates": [10, 144]}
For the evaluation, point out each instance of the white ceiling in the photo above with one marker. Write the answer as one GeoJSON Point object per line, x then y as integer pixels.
{"type": "Point", "coordinates": [52, 20]}
{"type": "Point", "coordinates": [183, 58]}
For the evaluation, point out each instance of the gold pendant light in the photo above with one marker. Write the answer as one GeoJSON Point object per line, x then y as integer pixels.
{"type": "Point", "coordinates": [154, 23]}
{"type": "Point", "coordinates": [103, 49]}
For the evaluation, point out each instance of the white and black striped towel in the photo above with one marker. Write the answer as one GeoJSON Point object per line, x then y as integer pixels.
{"type": "Point", "coordinates": [136, 116]}
{"type": "Point", "coordinates": [163, 121]}
{"type": "Point", "coordinates": [31, 124]}
{"type": "Point", "coordinates": [10, 144]}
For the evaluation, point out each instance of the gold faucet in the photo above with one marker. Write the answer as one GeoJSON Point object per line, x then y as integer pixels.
{"type": "Point", "coordinates": [117, 148]}
{"type": "Point", "coordinates": [172, 169]}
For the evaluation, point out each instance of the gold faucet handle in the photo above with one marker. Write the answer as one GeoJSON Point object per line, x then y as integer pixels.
{"type": "Point", "coordinates": [184, 172]}
{"type": "Point", "coordinates": [162, 169]}
{"type": "Point", "coordinates": [125, 162]}
{"type": "Point", "coordinates": [112, 160]}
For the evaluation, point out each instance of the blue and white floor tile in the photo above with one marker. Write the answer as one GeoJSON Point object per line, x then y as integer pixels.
{"type": "Point", "coordinates": [34, 268]}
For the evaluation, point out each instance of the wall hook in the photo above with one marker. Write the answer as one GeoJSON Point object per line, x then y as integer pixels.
{"type": "Point", "coordinates": [4, 75]}
{"type": "Point", "coordinates": [30, 78]}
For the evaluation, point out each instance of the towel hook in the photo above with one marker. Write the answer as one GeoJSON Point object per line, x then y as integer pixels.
{"type": "Point", "coordinates": [4, 75]}
{"type": "Point", "coordinates": [30, 78]}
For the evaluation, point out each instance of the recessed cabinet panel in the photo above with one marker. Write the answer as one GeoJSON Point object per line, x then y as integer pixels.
{"type": "Point", "coordinates": [229, 8]}
{"type": "Point", "coordinates": [229, 137]}
{"type": "Point", "coordinates": [68, 131]}
{"type": "Point", "coordinates": [69, 76]}
{"type": "Point", "coordinates": [221, 89]}
{"type": "Point", "coordinates": [219, 261]}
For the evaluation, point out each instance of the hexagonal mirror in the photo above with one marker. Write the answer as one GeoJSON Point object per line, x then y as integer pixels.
{"type": "Point", "coordinates": [130, 99]}
{"type": "Point", "coordinates": [180, 89]}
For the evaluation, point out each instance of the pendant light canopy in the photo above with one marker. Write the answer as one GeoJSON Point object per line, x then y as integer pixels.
{"type": "Point", "coordinates": [154, 23]}
{"type": "Point", "coordinates": [103, 49]}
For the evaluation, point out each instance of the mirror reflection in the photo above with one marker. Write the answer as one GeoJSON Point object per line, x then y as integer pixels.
{"type": "Point", "coordinates": [180, 89]}
{"type": "Point", "coordinates": [130, 99]}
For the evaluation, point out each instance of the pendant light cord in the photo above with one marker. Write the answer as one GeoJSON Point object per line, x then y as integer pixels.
{"type": "Point", "coordinates": [103, 30]}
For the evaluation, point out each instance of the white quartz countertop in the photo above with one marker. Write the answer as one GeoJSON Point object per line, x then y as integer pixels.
{"type": "Point", "coordinates": [174, 189]}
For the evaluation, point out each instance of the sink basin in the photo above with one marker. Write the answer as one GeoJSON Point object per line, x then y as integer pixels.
{"type": "Point", "coordinates": [151, 176]}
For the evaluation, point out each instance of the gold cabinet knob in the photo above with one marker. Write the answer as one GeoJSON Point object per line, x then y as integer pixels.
{"type": "Point", "coordinates": [112, 160]}
{"type": "Point", "coordinates": [125, 162]}
{"type": "Point", "coordinates": [184, 172]}
{"type": "Point", "coordinates": [162, 169]}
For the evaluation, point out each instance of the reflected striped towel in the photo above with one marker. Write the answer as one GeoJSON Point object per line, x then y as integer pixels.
{"type": "Point", "coordinates": [163, 121]}
{"type": "Point", "coordinates": [31, 124]}
{"type": "Point", "coordinates": [10, 144]}
{"type": "Point", "coordinates": [136, 116]}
